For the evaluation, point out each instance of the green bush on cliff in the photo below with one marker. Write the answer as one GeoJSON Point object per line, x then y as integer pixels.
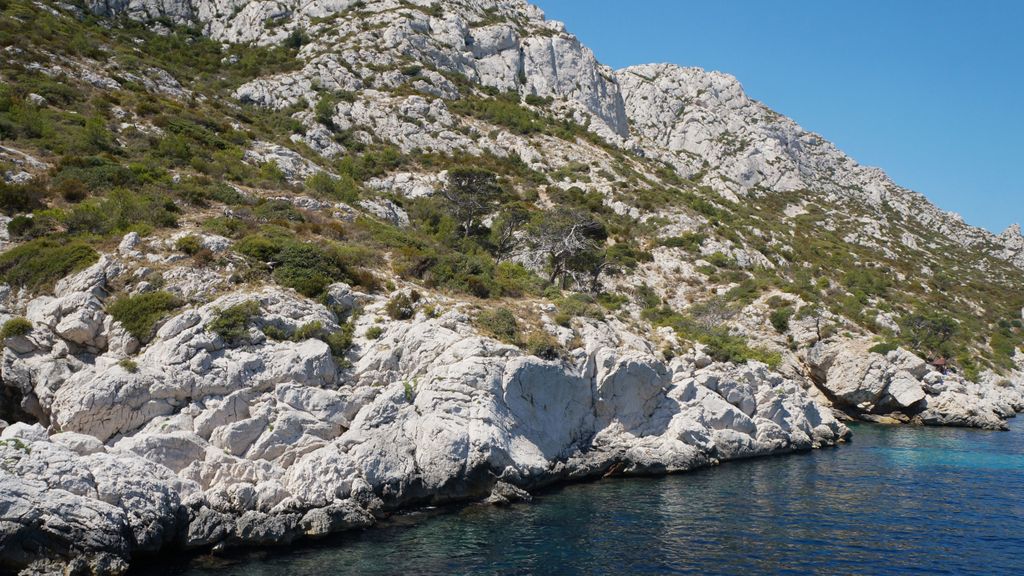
{"type": "Point", "coordinates": [722, 346]}
{"type": "Point", "coordinates": [400, 307]}
{"type": "Point", "coordinates": [232, 323]}
{"type": "Point", "coordinates": [543, 345]}
{"type": "Point", "coordinates": [190, 244]}
{"type": "Point", "coordinates": [500, 324]}
{"type": "Point", "coordinates": [17, 326]}
{"type": "Point", "coordinates": [38, 264]}
{"type": "Point", "coordinates": [307, 267]}
{"type": "Point", "coordinates": [309, 330]}
{"type": "Point", "coordinates": [883, 348]}
{"type": "Point", "coordinates": [779, 319]}
{"type": "Point", "coordinates": [140, 313]}
{"type": "Point", "coordinates": [578, 305]}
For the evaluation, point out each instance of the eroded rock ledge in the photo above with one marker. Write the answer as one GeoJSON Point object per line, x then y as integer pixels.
{"type": "Point", "coordinates": [205, 443]}
{"type": "Point", "coordinates": [901, 387]}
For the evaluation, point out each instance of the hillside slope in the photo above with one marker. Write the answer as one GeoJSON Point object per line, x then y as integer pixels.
{"type": "Point", "coordinates": [273, 270]}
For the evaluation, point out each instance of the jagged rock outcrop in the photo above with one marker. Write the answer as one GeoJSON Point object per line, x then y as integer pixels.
{"type": "Point", "coordinates": [257, 441]}
{"type": "Point", "coordinates": [700, 122]}
{"type": "Point", "coordinates": [704, 124]}
{"type": "Point", "coordinates": [507, 45]}
{"type": "Point", "coordinates": [868, 384]}
{"type": "Point", "coordinates": [203, 437]}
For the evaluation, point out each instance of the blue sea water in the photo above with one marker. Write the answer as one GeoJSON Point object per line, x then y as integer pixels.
{"type": "Point", "coordinates": [896, 500]}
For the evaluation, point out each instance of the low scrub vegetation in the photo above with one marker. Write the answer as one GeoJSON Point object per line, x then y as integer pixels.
{"type": "Point", "coordinates": [38, 264]}
{"type": "Point", "coordinates": [232, 323]}
{"type": "Point", "coordinates": [140, 313]}
{"type": "Point", "coordinates": [401, 306]}
{"type": "Point", "coordinates": [708, 329]}
{"type": "Point", "coordinates": [500, 324]}
{"type": "Point", "coordinates": [307, 267]}
{"type": "Point", "coordinates": [17, 326]}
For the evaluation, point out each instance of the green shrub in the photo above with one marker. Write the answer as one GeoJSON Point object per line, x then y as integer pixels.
{"type": "Point", "coordinates": [21, 226]}
{"type": "Point", "coordinates": [612, 300]}
{"type": "Point", "coordinates": [232, 323]}
{"type": "Point", "coordinates": [883, 348]}
{"type": "Point", "coordinates": [16, 326]}
{"type": "Point", "coordinates": [929, 334]}
{"type": "Point", "coordinates": [339, 342]}
{"type": "Point", "coordinates": [725, 347]}
{"type": "Point", "coordinates": [296, 39]}
{"type": "Point", "coordinates": [747, 290]}
{"type": "Point", "coordinates": [578, 305]}
{"type": "Point", "coordinates": [140, 313]}
{"type": "Point", "coordinates": [780, 319]}
{"type": "Point", "coordinates": [722, 346]}
{"type": "Point", "coordinates": [400, 307]}
{"type": "Point", "coordinates": [120, 211]}
{"type": "Point", "coordinates": [720, 260]}
{"type": "Point", "coordinates": [189, 244]}
{"type": "Point", "coordinates": [72, 190]}
{"type": "Point", "coordinates": [200, 190]}
{"type": "Point", "coordinates": [466, 273]}
{"type": "Point", "coordinates": [261, 247]}
{"type": "Point", "coordinates": [534, 100]}
{"type": "Point", "coordinates": [646, 297]}
{"type": "Point", "coordinates": [1004, 346]}
{"type": "Point", "coordinates": [866, 282]}
{"type": "Point", "coordinates": [324, 109]}
{"type": "Point", "coordinates": [280, 211]}
{"type": "Point", "coordinates": [543, 345]}
{"type": "Point", "coordinates": [129, 365]}
{"type": "Point", "coordinates": [342, 188]}
{"type": "Point", "coordinates": [624, 257]}
{"type": "Point", "coordinates": [515, 281]}
{"type": "Point", "coordinates": [308, 330]}
{"type": "Point", "coordinates": [502, 111]}
{"type": "Point", "coordinates": [97, 173]}
{"type": "Point", "coordinates": [16, 198]}
{"type": "Point", "coordinates": [38, 264]}
{"type": "Point", "coordinates": [304, 279]}
{"type": "Point", "coordinates": [306, 267]}
{"type": "Point", "coordinates": [274, 333]}
{"type": "Point", "coordinates": [689, 241]}
{"type": "Point", "coordinates": [500, 324]}
{"type": "Point", "coordinates": [228, 227]}
{"type": "Point", "coordinates": [374, 332]}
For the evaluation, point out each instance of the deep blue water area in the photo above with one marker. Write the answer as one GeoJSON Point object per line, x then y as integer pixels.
{"type": "Point", "coordinates": [895, 500]}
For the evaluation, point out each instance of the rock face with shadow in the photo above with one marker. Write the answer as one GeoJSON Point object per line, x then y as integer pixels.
{"type": "Point", "coordinates": [208, 441]}
{"type": "Point", "coordinates": [301, 418]}
{"type": "Point", "coordinates": [900, 386]}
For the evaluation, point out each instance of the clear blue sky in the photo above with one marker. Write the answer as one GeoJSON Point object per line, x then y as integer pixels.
{"type": "Point", "coordinates": [929, 90]}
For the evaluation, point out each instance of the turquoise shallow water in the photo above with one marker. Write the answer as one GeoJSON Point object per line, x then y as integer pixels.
{"type": "Point", "coordinates": [895, 500]}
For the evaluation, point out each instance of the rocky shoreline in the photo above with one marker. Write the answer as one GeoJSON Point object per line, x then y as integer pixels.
{"type": "Point", "coordinates": [211, 443]}
{"type": "Point", "coordinates": [231, 411]}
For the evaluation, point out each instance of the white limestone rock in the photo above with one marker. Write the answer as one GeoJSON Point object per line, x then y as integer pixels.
{"type": "Point", "coordinates": [24, 432]}
{"type": "Point", "coordinates": [865, 383]}
{"type": "Point", "coordinates": [293, 166]}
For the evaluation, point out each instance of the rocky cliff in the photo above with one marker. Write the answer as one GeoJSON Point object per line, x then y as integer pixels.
{"type": "Point", "coordinates": [274, 270]}
{"type": "Point", "coordinates": [202, 441]}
